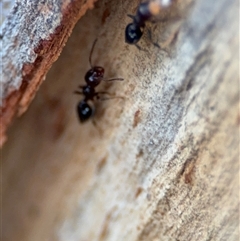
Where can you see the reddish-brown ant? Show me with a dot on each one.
(93, 78)
(146, 12)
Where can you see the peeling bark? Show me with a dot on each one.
(34, 34)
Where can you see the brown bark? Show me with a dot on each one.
(34, 34)
(161, 164)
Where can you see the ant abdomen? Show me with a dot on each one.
(84, 111)
(133, 33)
(94, 76)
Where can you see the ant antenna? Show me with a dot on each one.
(90, 56)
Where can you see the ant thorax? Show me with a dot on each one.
(89, 92)
(143, 14)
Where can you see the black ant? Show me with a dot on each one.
(93, 78)
(146, 12)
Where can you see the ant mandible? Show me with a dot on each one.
(93, 78)
(146, 12)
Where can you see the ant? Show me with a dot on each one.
(145, 12)
(93, 78)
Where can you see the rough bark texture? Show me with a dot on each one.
(161, 164)
(33, 36)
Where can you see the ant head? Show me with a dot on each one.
(94, 76)
(84, 111)
(133, 33)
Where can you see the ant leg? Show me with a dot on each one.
(155, 43)
(78, 92)
(80, 87)
(94, 122)
(98, 97)
(96, 125)
(138, 47)
(102, 92)
(110, 98)
(151, 39)
(131, 16)
(106, 98)
(112, 79)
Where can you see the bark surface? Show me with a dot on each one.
(161, 163)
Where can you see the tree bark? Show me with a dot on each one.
(161, 163)
(33, 36)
